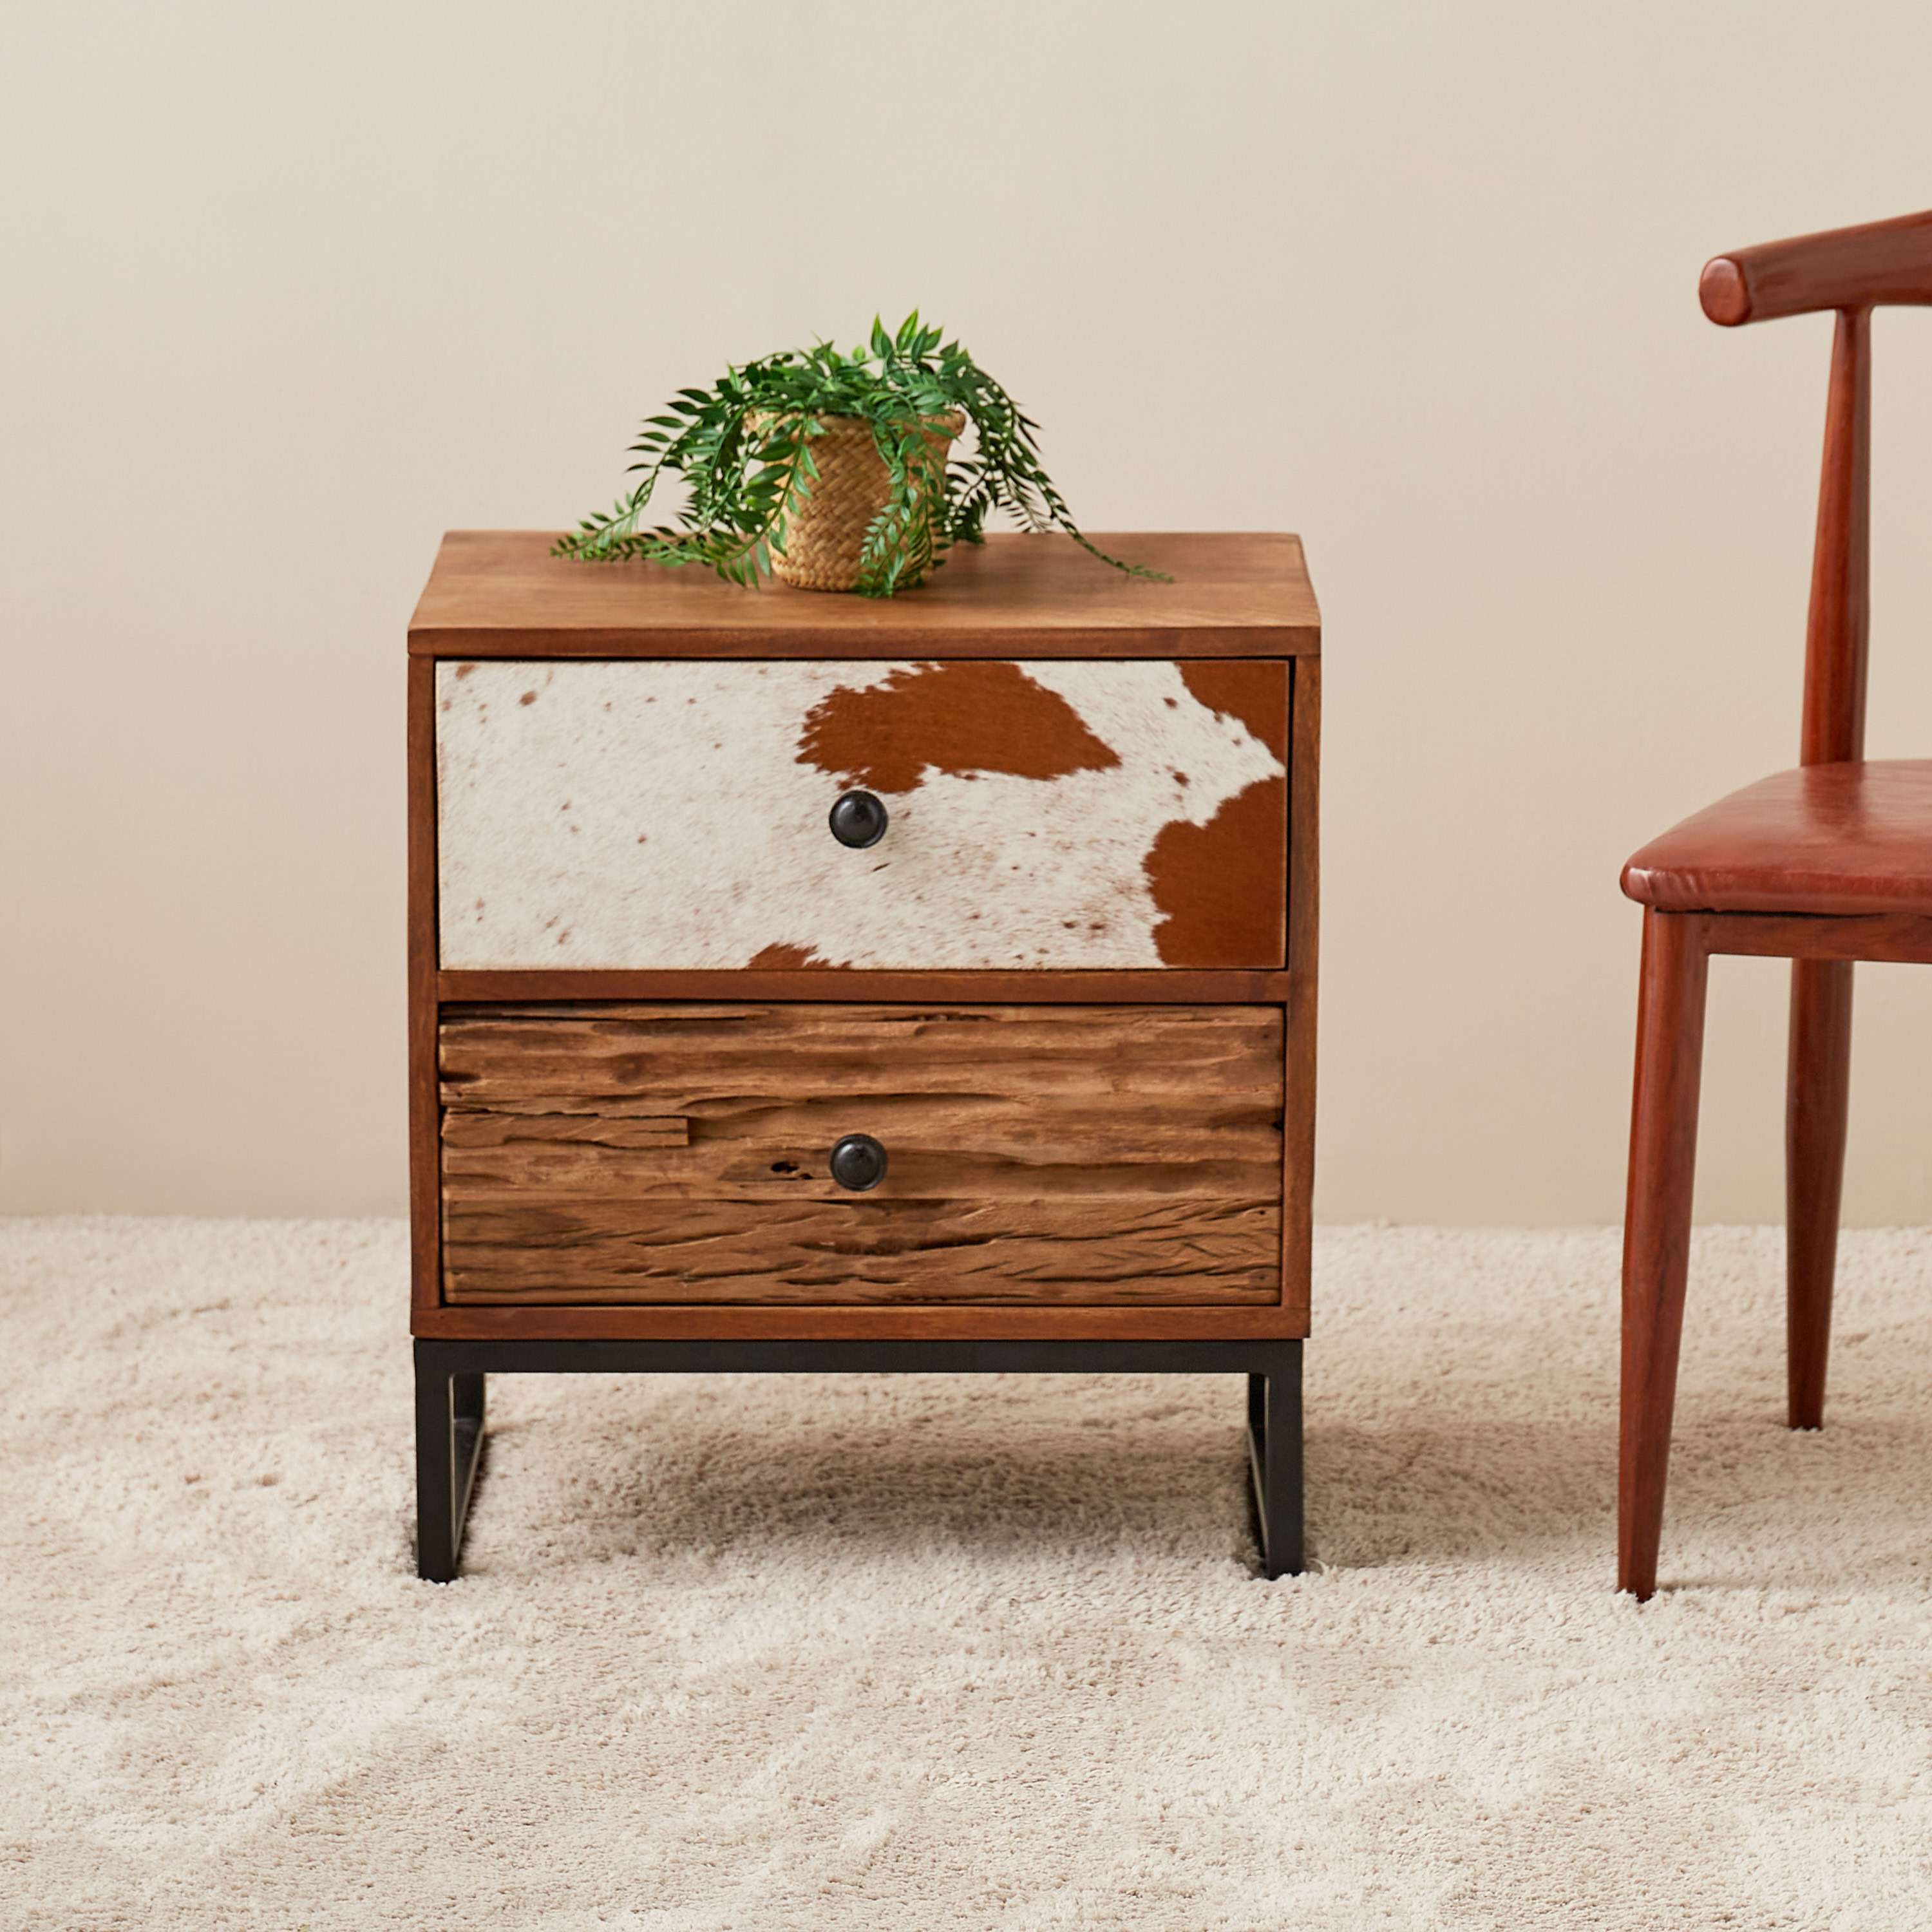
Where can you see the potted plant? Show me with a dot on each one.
(833, 471)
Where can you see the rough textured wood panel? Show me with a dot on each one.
(536, 1123)
(1070, 1249)
(602, 816)
(499, 593)
(1066, 1154)
(778, 1153)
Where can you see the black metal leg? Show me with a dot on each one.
(451, 1379)
(1274, 1460)
(449, 1443)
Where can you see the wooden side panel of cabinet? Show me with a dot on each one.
(1304, 896)
(425, 1111)
(672, 1152)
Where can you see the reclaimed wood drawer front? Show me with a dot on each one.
(1064, 815)
(678, 1153)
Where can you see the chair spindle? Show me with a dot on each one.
(1840, 615)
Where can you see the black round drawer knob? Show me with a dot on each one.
(859, 1163)
(858, 819)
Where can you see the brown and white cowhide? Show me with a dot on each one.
(1043, 815)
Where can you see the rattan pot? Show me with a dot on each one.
(827, 531)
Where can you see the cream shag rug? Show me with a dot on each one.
(774, 1652)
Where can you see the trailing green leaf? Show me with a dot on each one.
(744, 449)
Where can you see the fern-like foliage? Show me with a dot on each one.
(744, 448)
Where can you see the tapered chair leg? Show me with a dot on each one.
(1816, 1106)
(1657, 1227)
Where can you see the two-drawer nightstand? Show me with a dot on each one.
(803, 982)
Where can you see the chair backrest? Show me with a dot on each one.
(1854, 271)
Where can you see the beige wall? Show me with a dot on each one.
(291, 289)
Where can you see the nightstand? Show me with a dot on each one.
(801, 982)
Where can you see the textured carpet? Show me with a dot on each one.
(925, 1651)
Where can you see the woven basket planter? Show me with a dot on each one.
(827, 531)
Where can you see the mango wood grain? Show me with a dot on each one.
(694, 1056)
(1082, 1248)
(1168, 986)
(499, 593)
(939, 1150)
(425, 1206)
(561, 1117)
(953, 1323)
(1085, 1154)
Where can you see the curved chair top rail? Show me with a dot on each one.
(1879, 263)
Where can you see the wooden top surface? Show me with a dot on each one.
(499, 593)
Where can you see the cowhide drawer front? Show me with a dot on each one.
(680, 1153)
(1065, 815)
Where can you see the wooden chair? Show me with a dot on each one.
(1823, 866)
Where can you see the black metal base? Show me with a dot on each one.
(450, 1383)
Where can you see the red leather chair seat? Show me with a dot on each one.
(1824, 838)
